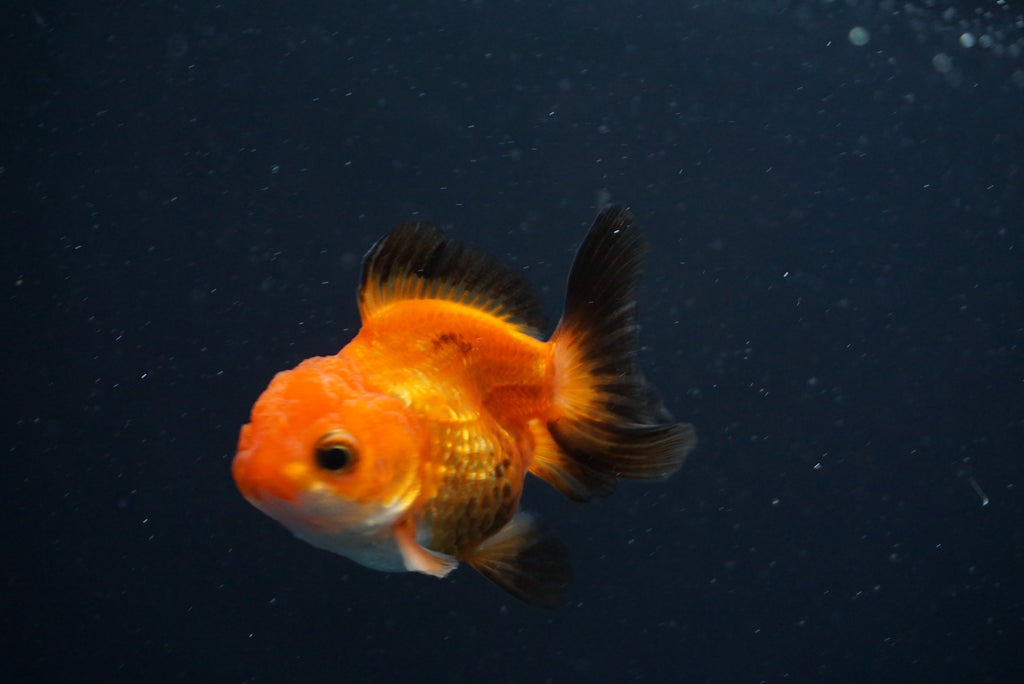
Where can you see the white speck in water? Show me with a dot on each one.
(978, 490)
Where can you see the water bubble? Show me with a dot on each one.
(859, 36)
(943, 63)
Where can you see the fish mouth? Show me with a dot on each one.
(289, 497)
(258, 484)
(259, 478)
(315, 509)
(242, 481)
(242, 472)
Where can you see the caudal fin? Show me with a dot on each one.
(606, 423)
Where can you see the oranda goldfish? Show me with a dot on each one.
(408, 449)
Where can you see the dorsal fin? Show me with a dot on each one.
(416, 261)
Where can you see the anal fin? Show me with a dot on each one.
(527, 560)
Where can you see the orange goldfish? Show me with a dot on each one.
(408, 449)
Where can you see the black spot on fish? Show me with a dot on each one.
(452, 339)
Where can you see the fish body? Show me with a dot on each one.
(408, 449)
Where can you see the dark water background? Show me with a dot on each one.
(834, 297)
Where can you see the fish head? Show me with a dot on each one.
(331, 459)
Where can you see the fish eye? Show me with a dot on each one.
(335, 451)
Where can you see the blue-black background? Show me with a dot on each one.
(833, 298)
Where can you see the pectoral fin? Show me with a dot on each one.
(418, 559)
(527, 560)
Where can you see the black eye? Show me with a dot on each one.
(335, 451)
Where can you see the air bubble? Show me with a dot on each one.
(943, 63)
(859, 36)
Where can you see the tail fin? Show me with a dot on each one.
(605, 423)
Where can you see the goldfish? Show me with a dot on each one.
(408, 450)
